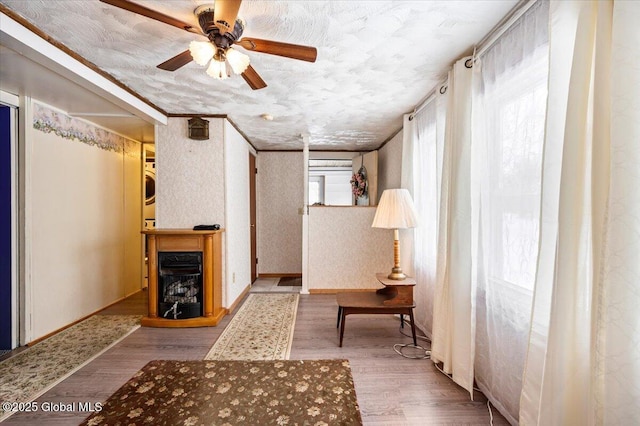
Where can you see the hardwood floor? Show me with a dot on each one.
(391, 390)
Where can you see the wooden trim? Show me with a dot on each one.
(246, 138)
(209, 268)
(340, 290)
(287, 275)
(46, 336)
(239, 299)
(315, 150)
(152, 277)
(37, 31)
(181, 114)
(279, 150)
(179, 323)
(179, 231)
(341, 207)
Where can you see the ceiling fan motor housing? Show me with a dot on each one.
(207, 23)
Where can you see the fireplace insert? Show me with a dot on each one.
(180, 285)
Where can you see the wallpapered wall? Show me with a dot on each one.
(344, 251)
(86, 201)
(238, 250)
(280, 194)
(189, 175)
(390, 164)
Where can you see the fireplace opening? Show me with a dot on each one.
(180, 285)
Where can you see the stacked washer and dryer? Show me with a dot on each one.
(150, 193)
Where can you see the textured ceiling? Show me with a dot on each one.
(376, 61)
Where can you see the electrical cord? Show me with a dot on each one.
(400, 347)
(474, 388)
(490, 413)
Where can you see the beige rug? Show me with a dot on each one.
(262, 329)
(235, 393)
(32, 372)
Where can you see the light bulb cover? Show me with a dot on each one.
(201, 51)
(218, 70)
(238, 60)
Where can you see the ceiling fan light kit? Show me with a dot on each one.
(238, 61)
(218, 70)
(215, 22)
(201, 52)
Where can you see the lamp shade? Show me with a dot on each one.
(239, 61)
(395, 210)
(201, 52)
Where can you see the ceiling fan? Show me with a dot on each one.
(219, 22)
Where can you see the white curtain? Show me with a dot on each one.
(453, 331)
(583, 361)
(424, 148)
(509, 108)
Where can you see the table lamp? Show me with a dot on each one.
(395, 211)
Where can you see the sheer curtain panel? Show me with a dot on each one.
(426, 131)
(454, 308)
(509, 108)
(583, 361)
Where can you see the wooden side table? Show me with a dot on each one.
(395, 298)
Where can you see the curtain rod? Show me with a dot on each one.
(487, 41)
(430, 97)
(503, 26)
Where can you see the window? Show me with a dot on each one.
(316, 190)
(516, 113)
(514, 110)
(329, 182)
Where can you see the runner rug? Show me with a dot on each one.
(235, 393)
(30, 373)
(262, 329)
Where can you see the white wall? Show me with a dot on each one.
(85, 247)
(133, 210)
(390, 164)
(237, 221)
(189, 175)
(344, 251)
(280, 195)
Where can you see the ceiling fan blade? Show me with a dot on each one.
(294, 51)
(141, 10)
(225, 14)
(253, 79)
(177, 61)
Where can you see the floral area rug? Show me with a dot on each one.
(235, 393)
(262, 329)
(30, 373)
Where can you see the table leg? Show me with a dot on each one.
(342, 320)
(413, 328)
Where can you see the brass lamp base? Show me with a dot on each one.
(396, 271)
(396, 274)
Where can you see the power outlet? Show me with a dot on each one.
(233, 277)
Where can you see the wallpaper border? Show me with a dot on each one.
(48, 120)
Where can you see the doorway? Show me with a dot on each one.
(8, 252)
(252, 217)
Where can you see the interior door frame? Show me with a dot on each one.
(12, 102)
(253, 171)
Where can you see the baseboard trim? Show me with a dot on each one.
(292, 275)
(340, 290)
(239, 299)
(46, 336)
